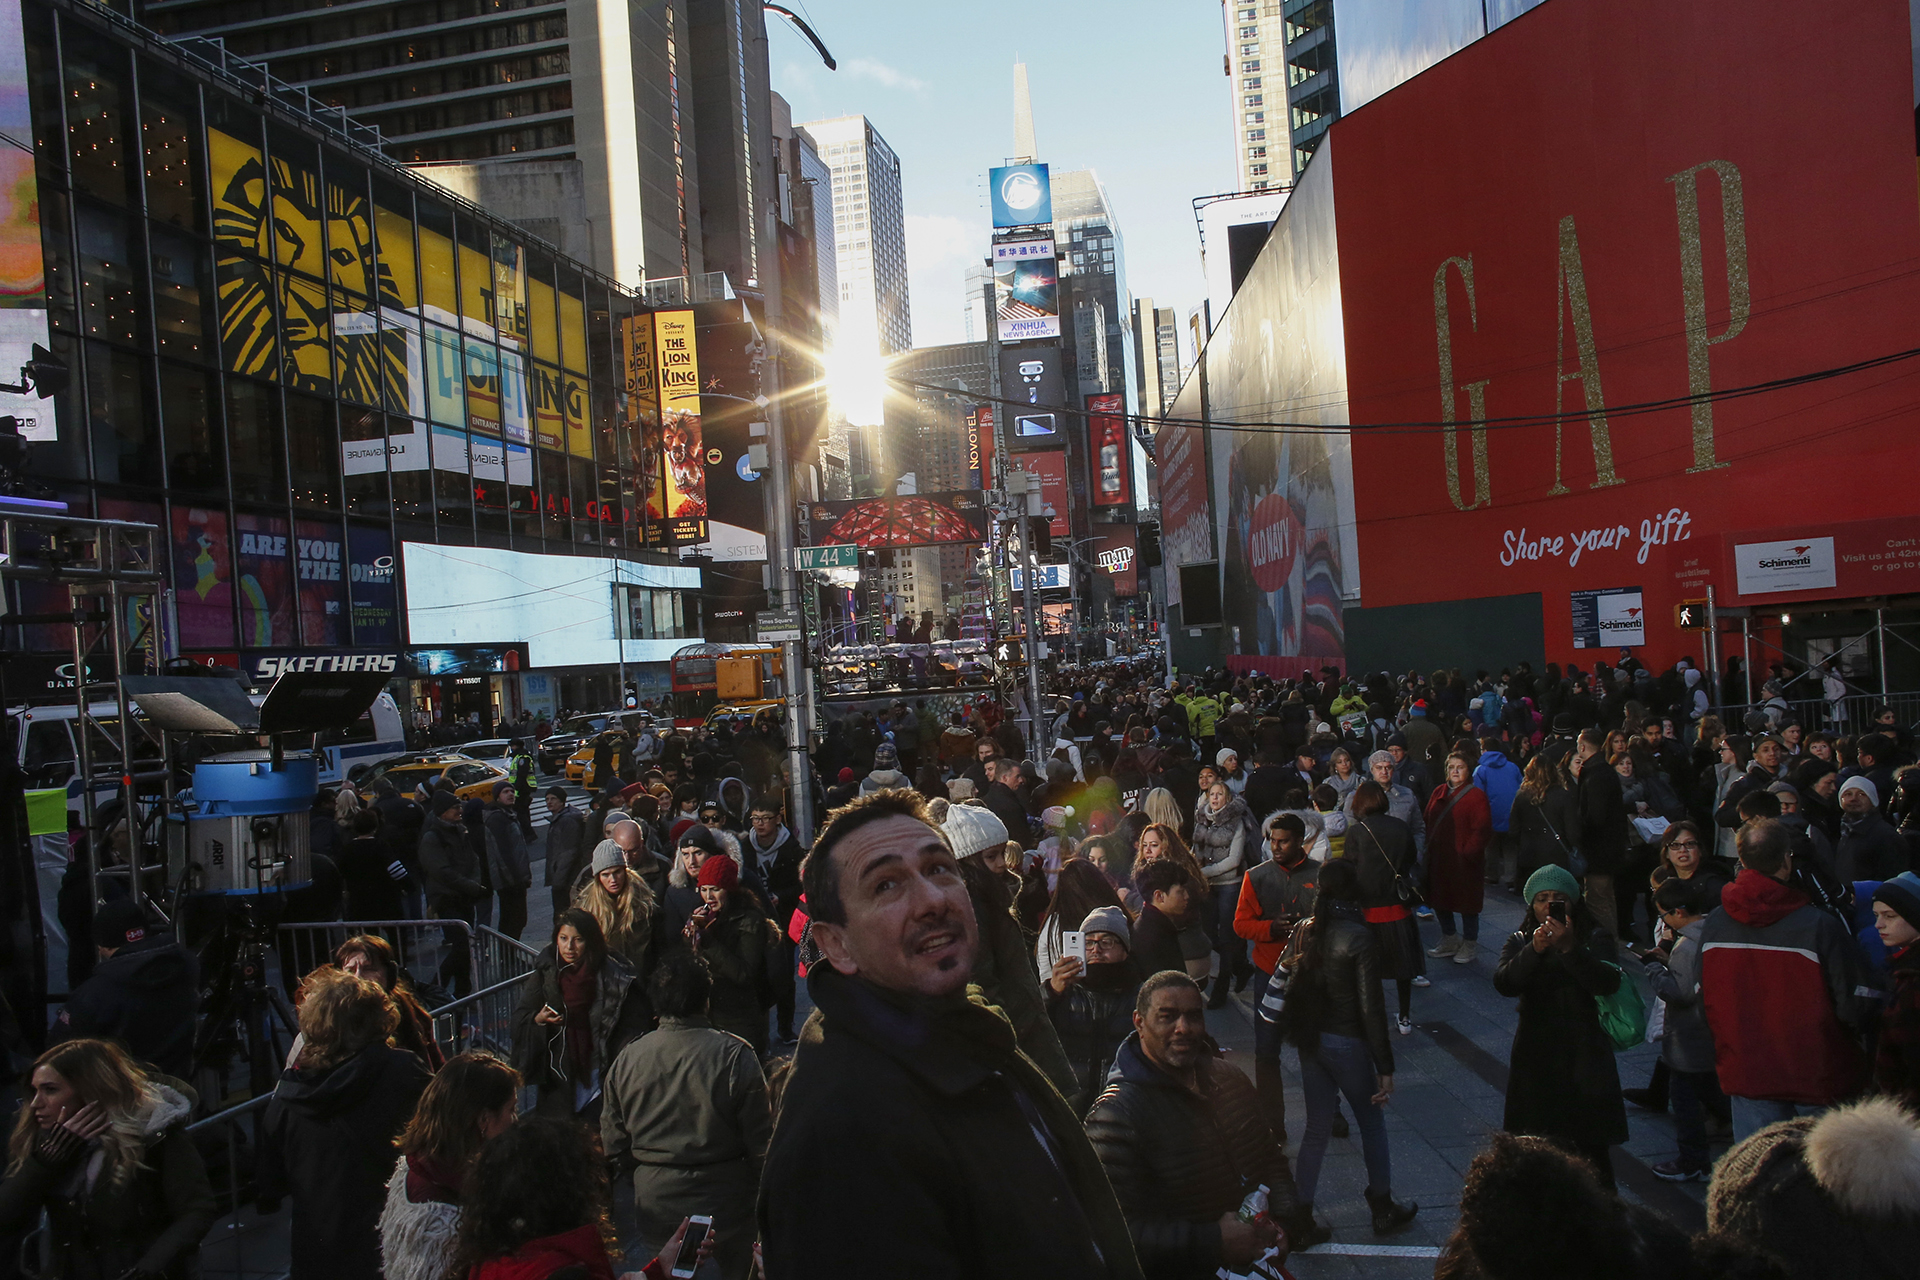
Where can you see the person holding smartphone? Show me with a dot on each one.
(1562, 1081)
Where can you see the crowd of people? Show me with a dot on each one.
(1007, 1067)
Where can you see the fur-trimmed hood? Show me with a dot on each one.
(1867, 1157)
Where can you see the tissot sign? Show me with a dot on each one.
(1611, 235)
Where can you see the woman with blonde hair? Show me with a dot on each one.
(1160, 807)
(102, 1148)
(629, 915)
(474, 1097)
(329, 1131)
(1161, 842)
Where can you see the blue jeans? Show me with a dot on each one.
(1469, 924)
(1690, 1091)
(1750, 1115)
(1342, 1065)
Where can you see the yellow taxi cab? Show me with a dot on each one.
(732, 716)
(470, 779)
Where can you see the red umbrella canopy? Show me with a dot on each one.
(902, 522)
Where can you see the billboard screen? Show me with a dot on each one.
(23, 276)
(1030, 378)
(736, 506)
(1026, 287)
(1050, 466)
(1610, 224)
(912, 520)
(1022, 195)
(1116, 553)
(1109, 452)
(1186, 534)
(682, 447)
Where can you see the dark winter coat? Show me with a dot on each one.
(375, 881)
(620, 1013)
(144, 995)
(1562, 1081)
(907, 1133)
(449, 867)
(1896, 1066)
(1006, 806)
(1603, 817)
(153, 1222)
(735, 948)
(1003, 971)
(1457, 835)
(1339, 993)
(329, 1137)
(565, 848)
(1547, 830)
(1092, 1017)
(1180, 1159)
(779, 869)
(1870, 848)
(507, 855)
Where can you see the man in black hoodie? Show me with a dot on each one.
(452, 875)
(144, 992)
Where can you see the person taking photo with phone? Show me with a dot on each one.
(1562, 1082)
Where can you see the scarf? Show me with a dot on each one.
(578, 986)
(430, 1178)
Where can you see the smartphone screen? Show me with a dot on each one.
(1557, 911)
(1073, 944)
(689, 1256)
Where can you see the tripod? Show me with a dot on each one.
(245, 1014)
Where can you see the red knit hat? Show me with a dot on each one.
(720, 870)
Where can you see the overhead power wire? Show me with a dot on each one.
(1520, 421)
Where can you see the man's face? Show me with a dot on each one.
(1398, 753)
(555, 804)
(1789, 803)
(1854, 803)
(691, 856)
(764, 823)
(993, 769)
(1383, 772)
(1011, 776)
(909, 922)
(505, 796)
(983, 752)
(1285, 845)
(1768, 754)
(1655, 733)
(627, 836)
(1173, 1031)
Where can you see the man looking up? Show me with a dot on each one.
(913, 1134)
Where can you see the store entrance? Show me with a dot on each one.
(473, 695)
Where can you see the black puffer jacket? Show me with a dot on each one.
(152, 1222)
(1092, 1017)
(1181, 1160)
(144, 995)
(1338, 993)
(449, 867)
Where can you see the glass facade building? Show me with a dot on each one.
(292, 355)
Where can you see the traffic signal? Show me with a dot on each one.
(1040, 535)
(1690, 615)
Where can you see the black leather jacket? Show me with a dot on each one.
(1347, 977)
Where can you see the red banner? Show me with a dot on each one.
(1109, 457)
(1186, 529)
(1051, 466)
(1605, 223)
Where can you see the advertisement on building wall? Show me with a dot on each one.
(1615, 237)
(1186, 531)
(682, 448)
(1050, 466)
(1030, 377)
(1116, 553)
(1852, 560)
(1608, 618)
(371, 586)
(736, 499)
(23, 277)
(1109, 452)
(1026, 285)
(1022, 195)
(263, 574)
(320, 568)
(643, 427)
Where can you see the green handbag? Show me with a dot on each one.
(1623, 1015)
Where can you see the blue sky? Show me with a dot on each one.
(1130, 89)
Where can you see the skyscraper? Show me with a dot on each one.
(1278, 125)
(1156, 339)
(1091, 245)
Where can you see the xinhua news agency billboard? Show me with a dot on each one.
(1022, 195)
(1026, 286)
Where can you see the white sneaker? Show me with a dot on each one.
(1421, 980)
(1405, 1025)
(1466, 953)
(1448, 945)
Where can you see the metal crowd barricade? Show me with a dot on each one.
(1855, 717)
(243, 1243)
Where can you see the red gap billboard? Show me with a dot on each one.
(1558, 226)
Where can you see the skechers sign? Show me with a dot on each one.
(273, 666)
(1022, 195)
(1799, 564)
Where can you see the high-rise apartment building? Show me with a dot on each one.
(1281, 66)
(1091, 246)
(870, 229)
(1156, 341)
(978, 277)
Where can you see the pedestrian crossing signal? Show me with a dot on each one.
(1690, 615)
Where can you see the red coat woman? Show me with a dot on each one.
(1459, 825)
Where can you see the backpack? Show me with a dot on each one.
(1623, 1015)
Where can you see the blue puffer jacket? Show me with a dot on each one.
(1499, 777)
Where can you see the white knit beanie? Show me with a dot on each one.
(972, 829)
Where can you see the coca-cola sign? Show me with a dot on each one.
(1273, 539)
